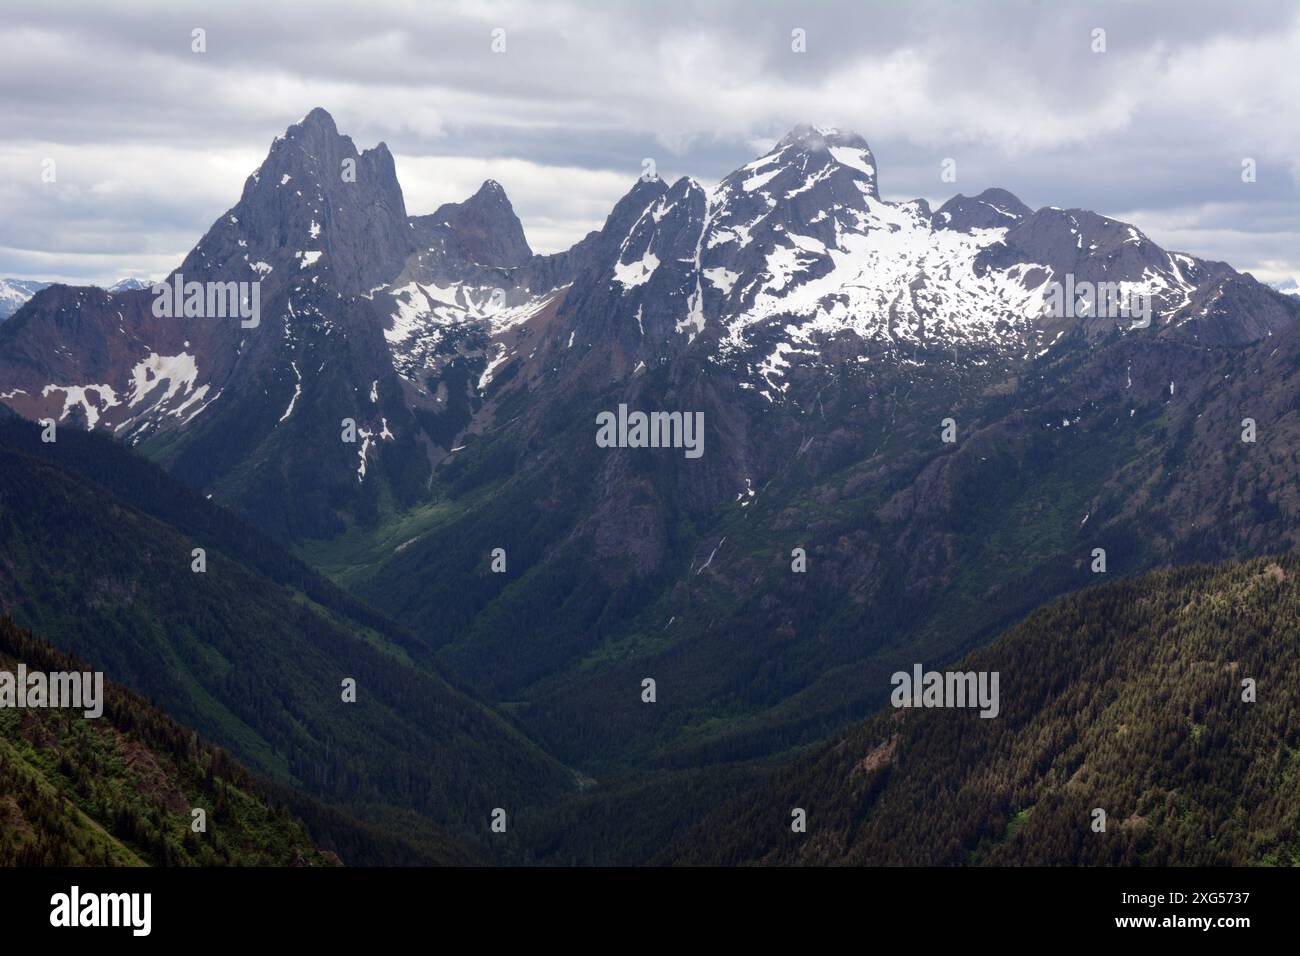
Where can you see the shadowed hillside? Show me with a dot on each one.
(1126, 697)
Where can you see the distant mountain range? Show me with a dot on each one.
(912, 439)
(15, 292)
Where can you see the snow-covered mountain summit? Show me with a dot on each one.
(419, 329)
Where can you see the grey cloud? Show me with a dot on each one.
(1154, 129)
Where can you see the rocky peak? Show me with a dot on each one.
(811, 155)
(316, 208)
(483, 228)
(991, 209)
(819, 138)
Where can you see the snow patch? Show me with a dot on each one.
(632, 274)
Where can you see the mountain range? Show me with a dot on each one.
(907, 449)
(15, 292)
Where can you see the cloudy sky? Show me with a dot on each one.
(151, 141)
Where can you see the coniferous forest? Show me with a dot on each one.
(1129, 697)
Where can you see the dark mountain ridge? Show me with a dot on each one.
(254, 655)
(1129, 697)
(420, 329)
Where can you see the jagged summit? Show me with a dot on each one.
(796, 248)
(481, 230)
(315, 207)
(808, 157)
(790, 266)
(317, 137)
(808, 137)
(316, 134)
(318, 118)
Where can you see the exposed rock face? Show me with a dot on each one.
(773, 282)
(482, 230)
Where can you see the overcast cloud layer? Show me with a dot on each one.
(152, 142)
